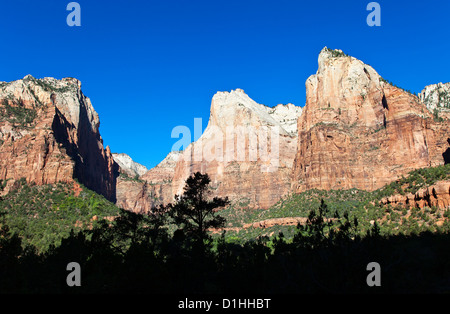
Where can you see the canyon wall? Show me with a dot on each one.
(49, 132)
(358, 131)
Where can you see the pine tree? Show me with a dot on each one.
(194, 212)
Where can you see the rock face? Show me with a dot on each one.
(49, 132)
(163, 173)
(152, 188)
(128, 165)
(247, 150)
(437, 99)
(436, 195)
(358, 131)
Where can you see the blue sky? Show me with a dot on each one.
(149, 66)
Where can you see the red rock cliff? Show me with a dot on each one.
(358, 131)
(49, 132)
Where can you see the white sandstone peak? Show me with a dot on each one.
(436, 96)
(171, 160)
(127, 164)
(236, 108)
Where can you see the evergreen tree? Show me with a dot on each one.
(193, 212)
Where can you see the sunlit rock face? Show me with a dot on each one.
(437, 99)
(358, 131)
(49, 133)
(247, 150)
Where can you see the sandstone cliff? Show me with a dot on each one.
(358, 131)
(151, 189)
(49, 132)
(128, 165)
(437, 99)
(435, 195)
(247, 150)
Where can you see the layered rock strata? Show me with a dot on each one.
(151, 189)
(358, 131)
(49, 132)
(247, 150)
(437, 195)
(128, 166)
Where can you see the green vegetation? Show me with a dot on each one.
(17, 114)
(336, 53)
(436, 116)
(361, 205)
(415, 180)
(443, 100)
(392, 84)
(135, 253)
(48, 87)
(193, 212)
(42, 215)
(124, 176)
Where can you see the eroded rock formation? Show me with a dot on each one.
(437, 99)
(128, 165)
(149, 190)
(49, 132)
(437, 195)
(247, 150)
(358, 131)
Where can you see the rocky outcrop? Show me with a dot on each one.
(164, 172)
(285, 221)
(437, 195)
(151, 189)
(436, 96)
(358, 131)
(437, 99)
(49, 132)
(128, 165)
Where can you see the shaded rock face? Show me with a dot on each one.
(357, 131)
(446, 154)
(49, 133)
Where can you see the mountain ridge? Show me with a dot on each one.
(355, 130)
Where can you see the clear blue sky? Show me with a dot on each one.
(149, 66)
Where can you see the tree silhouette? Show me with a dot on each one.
(194, 212)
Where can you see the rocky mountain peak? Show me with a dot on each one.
(358, 130)
(436, 96)
(128, 165)
(236, 108)
(171, 160)
(52, 134)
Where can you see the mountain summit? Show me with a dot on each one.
(359, 131)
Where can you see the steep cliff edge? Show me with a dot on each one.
(128, 165)
(140, 194)
(247, 150)
(437, 99)
(358, 131)
(49, 132)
